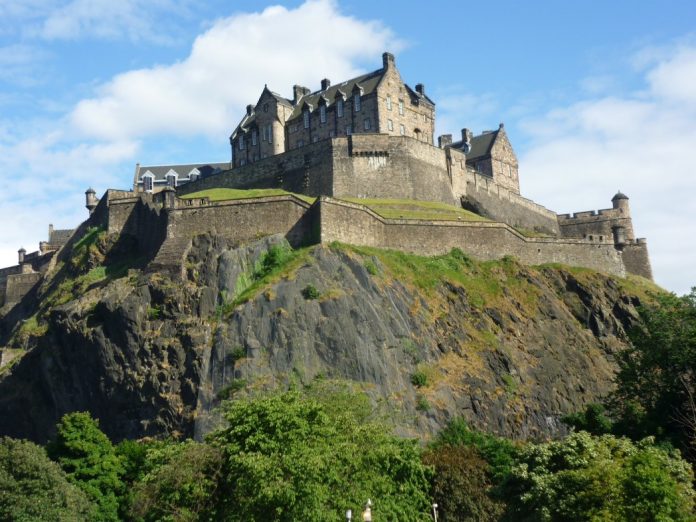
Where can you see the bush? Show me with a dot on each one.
(310, 292)
(419, 379)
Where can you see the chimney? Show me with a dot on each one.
(298, 92)
(21, 253)
(501, 126)
(387, 60)
(250, 109)
(466, 135)
(325, 84)
(420, 89)
(444, 141)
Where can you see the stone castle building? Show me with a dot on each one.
(368, 137)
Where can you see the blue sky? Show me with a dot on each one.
(596, 96)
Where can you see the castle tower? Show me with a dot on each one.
(21, 253)
(91, 200)
(622, 216)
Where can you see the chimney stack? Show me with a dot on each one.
(298, 91)
(420, 89)
(250, 109)
(387, 60)
(21, 253)
(325, 84)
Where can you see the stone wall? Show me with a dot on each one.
(636, 258)
(495, 202)
(19, 285)
(594, 223)
(355, 224)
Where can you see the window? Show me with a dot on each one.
(242, 162)
(241, 142)
(389, 103)
(349, 130)
(171, 180)
(332, 134)
(193, 177)
(402, 130)
(300, 143)
(367, 124)
(148, 182)
(339, 108)
(270, 133)
(322, 114)
(390, 125)
(356, 102)
(305, 116)
(253, 137)
(315, 139)
(401, 107)
(265, 107)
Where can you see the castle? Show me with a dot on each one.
(367, 138)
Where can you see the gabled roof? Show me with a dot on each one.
(367, 83)
(182, 171)
(481, 145)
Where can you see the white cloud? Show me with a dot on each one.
(227, 68)
(640, 143)
(19, 64)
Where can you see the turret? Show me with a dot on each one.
(619, 232)
(91, 200)
(20, 254)
(620, 202)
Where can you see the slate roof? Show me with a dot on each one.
(59, 237)
(182, 171)
(480, 145)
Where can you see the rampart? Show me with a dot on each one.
(356, 224)
(595, 223)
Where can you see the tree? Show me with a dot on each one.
(181, 484)
(599, 478)
(657, 374)
(32, 487)
(286, 458)
(90, 462)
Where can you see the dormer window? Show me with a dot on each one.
(339, 108)
(194, 174)
(356, 102)
(241, 142)
(148, 182)
(171, 179)
(305, 116)
(322, 113)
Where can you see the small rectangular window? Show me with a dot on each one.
(322, 113)
(349, 130)
(242, 162)
(356, 102)
(401, 107)
(367, 124)
(339, 108)
(389, 106)
(270, 133)
(390, 125)
(305, 117)
(402, 129)
(147, 183)
(241, 142)
(332, 134)
(315, 139)
(253, 137)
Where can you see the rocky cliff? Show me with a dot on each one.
(509, 347)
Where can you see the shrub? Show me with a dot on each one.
(310, 292)
(419, 379)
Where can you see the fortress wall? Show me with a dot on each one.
(485, 197)
(636, 258)
(306, 170)
(4, 274)
(358, 225)
(244, 220)
(19, 285)
(390, 167)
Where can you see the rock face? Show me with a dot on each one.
(511, 348)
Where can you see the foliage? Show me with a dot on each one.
(310, 292)
(462, 484)
(598, 478)
(593, 420)
(272, 260)
(32, 487)
(419, 378)
(90, 461)
(500, 453)
(657, 374)
(289, 458)
(181, 484)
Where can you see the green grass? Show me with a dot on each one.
(228, 194)
(412, 209)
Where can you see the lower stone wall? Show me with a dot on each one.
(485, 197)
(636, 258)
(19, 285)
(595, 223)
(355, 224)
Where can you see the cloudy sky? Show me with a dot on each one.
(596, 97)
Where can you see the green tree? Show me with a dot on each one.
(286, 459)
(657, 374)
(181, 484)
(32, 487)
(587, 478)
(90, 461)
